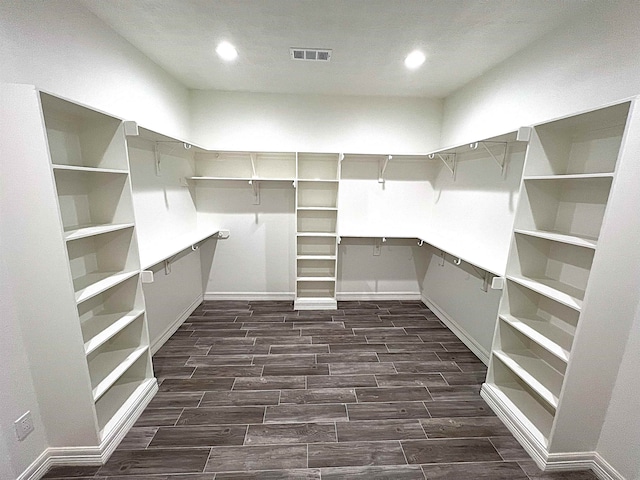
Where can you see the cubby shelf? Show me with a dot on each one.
(576, 240)
(77, 168)
(553, 289)
(316, 279)
(316, 257)
(318, 209)
(316, 234)
(108, 367)
(101, 328)
(543, 379)
(93, 284)
(568, 176)
(553, 339)
(75, 233)
(121, 398)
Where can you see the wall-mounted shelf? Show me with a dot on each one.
(172, 246)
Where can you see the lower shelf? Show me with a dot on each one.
(315, 303)
(517, 401)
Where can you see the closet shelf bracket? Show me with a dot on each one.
(382, 168)
(255, 184)
(501, 162)
(449, 160)
(253, 165)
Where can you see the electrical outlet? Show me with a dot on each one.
(24, 426)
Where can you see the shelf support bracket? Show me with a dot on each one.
(486, 282)
(156, 153)
(255, 184)
(441, 261)
(449, 160)
(253, 165)
(167, 267)
(502, 162)
(383, 168)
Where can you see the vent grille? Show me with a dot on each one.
(311, 54)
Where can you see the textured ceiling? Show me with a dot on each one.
(370, 38)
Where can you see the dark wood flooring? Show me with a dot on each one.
(374, 390)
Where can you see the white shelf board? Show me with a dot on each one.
(318, 180)
(103, 327)
(83, 231)
(130, 393)
(316, 257)
(96, 283)
(319, 209)
(77, 168)
(560, 237)
(553, 339)
(162, 250)
(521, 408)
(552, 289)
(243, 179)
(110, 366)
(316, 234)
(536, 373)
(316, 279)
(315, 303)
(573, 176)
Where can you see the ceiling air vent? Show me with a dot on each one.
(311, 54)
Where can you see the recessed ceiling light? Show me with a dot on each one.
(414, 59)
(226, 51)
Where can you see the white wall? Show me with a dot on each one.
(17, 394)
(314, 123)
(257, 260)
(622, 424)
(62, 48)
(580, 66)
(396, 273)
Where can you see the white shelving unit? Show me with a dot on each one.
(544, 314)
(91, 175)
(245, 166)
(316, 230)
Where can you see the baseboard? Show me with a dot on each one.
(366, 296)
(604, 470)
(250, 296)
(86, 456)
(474, 346)
(550, 462)
(171, 329)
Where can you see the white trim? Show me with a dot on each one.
(171, 329)
(353, 296)
(249, 296)
(98, 455)
(603, 469)
(459, 332)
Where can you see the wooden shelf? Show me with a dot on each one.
(316, 234)
(98, 329)
(318, 209)
(316, 279)
(317, 180)
(75, 233)
(316, 257)
(108, 367)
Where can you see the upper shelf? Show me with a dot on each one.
(161, 251)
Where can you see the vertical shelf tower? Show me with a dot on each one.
(316, 230)
(89, 331)
(549, 316)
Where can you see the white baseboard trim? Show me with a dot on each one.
(550, 462)
(171, 329)
(250, 296)
(98, 455)
(604, 470)
(474, 346)
(364, 296)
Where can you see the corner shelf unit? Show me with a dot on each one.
(569, 174)
(317, 179)
(90, 171)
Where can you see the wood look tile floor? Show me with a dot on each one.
(373, 390)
